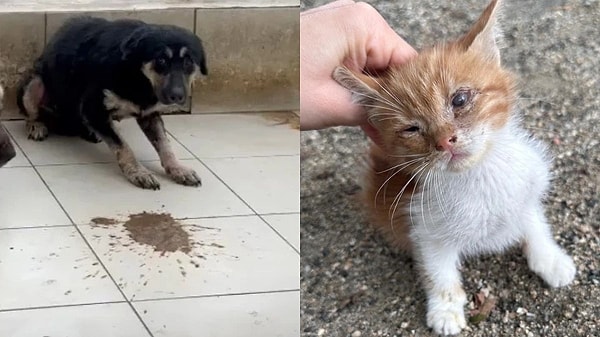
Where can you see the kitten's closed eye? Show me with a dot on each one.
(408, 131)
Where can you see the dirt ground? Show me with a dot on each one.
(353, 285)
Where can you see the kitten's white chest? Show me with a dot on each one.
(481, 210)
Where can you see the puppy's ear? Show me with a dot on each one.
(199, 56)
(131, 44)
(203, 69)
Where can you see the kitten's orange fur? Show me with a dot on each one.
(421, 89)
(451, 139)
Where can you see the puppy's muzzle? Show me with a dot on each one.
(174, 90)
(7, 150)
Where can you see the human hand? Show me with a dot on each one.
(342, 33)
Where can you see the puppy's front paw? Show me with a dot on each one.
(143, 178)
(555, 267)
(445, 313)
(184, 176)
(36, 131)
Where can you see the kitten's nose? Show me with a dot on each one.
(446, 143)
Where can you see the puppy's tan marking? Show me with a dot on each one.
(122, 108)
(125, 109)
(33, 94)
(182, 51)
(169, 52)
(154, 78)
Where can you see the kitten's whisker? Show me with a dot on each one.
(426, 189)
(403, 164)
(440, 198)
(388, 118)
(396, 99)
(377, 98)
(380, 107)
(413, 195)
(400, 167)
(407, 155)
(398, 197)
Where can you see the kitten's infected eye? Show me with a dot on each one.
(461, 98)
(410, 131)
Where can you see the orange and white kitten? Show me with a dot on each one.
(456, 175)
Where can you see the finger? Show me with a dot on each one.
(340, 109)
(383, 45)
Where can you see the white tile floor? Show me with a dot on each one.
(61, 276)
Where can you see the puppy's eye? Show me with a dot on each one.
(161, 61)
(461, 98)
(412, 129)
(188, 65)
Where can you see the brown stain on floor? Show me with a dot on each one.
(279, 118)
(103, 221)
(160, 231)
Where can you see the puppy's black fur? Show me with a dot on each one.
(95, 71)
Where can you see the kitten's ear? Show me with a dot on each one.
(361, 86)
(485, 33)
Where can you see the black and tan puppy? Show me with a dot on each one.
(7, 150)
(94, 72)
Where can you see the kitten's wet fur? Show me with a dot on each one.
(455, 174)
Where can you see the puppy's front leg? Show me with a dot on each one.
(99, 122)
(154, 128)
(133, 170)
(445, 295)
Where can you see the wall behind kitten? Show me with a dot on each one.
(350, 279)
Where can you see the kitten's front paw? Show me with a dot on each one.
(447, 321)
(445, 313)
(184, 176)
(556, 268)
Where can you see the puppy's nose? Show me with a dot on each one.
(176, 96)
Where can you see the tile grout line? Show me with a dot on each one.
(178, 219)
(86, 242)
(141, 161)
(162, 299)
(34, 227)
(58, 306)
(235, 193)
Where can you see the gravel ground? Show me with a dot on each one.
(353, 285)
